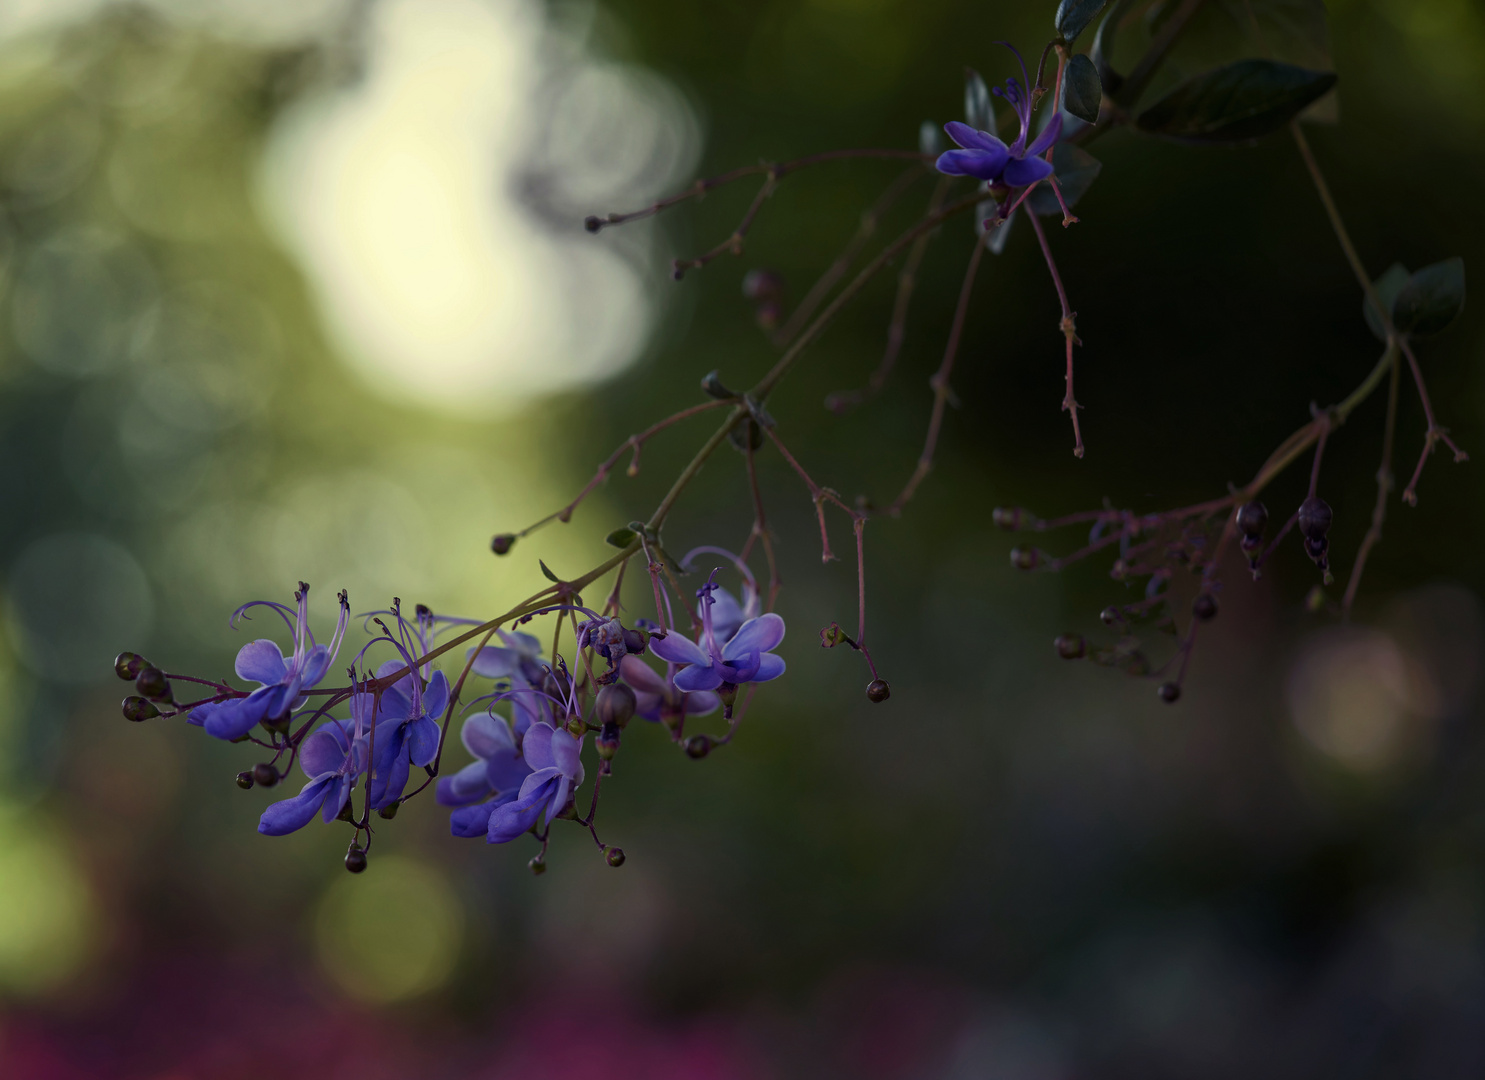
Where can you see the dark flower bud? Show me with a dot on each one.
(1250, 544)
(728, 693)
(537, 866)
(265, 774)
(746, 436)
(346, 813)
(355, 859)
(1111, 616)
(608, 741)
(128, 665)
(615, 706)
(877, 691)
(1070, 646)
(502, 543)
(1009, 518)
(831, 636)
(592, 223)
(614, 856)
(1252, 518)
(762, 285)
(1204, 607)
(389, 811)
(245, 780)
(153, 684)
(636, 642)
(1314, 518)
(711, 383)
(137, 709)
(1025, 558)
(698, 746)
(1169, 692)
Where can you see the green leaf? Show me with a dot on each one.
(1082, 90)
(1236, 103)
(978, 112)
(1075, 169)
(547, 570)
(619, 538)
(1431, 299)
(1103, 47)
(1387, 287)
(1073, 16)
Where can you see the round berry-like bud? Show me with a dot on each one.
(245, 780)
(1252, 518)
(502, 543)
(1070, 646)
(1023, 558)
(592, 223)
(1110, 616)
(537, 866)
(1169, 692)
(615, 706)
(636, 641)
(746, 436)
(877, 691)
(128, 665)
(1250, 544)
(265, 774)
(608, 741)
(138, 708)
(698, 746)
(1008, 518)
(355, 859)
(1315, 517)
(1316, 550)
(1204, 607)
(152, 683)
(390, 810)
(614, 856)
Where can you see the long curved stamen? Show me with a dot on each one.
(704, 594)
(340, 625)
(301, 627)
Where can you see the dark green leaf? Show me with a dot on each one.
(1103, 48)
(1082, 90)
(1075, 169)
(1073, 16)
(1431, 299)
(1387, 286)
(978, 112)
(619, 538)
(547, 570)
(1236, 103)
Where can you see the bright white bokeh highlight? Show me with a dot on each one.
(435, 204)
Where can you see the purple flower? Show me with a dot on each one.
(520, 662)
(728, 614)
(745, 657)
(332, 757)
(986, 158)
(656, 696)
(283, 680)
(555, 758)
(499, 771)
(407, 729)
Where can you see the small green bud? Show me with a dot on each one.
(138, 708)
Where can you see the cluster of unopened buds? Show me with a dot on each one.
(526, 727)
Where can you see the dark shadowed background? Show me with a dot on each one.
(301, 291)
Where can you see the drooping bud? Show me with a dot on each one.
(1314, 518)
(355, 859)
(138, 708)
(152, 683)
(1071, 646)
(245, 780)
(1169, 692)
(502, 543)
(698, 746)
(128, 665)
(746, 436)
(636, 641)
(607, 741)
(1204, 607)
(537, 866)
(1252, 518)
(614, 856)
(1023, 558)
(877, 691)
(264, 774)
(390, 810)
(831, 636)
(615, 706)
(711, 384)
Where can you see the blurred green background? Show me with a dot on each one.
(300, 291)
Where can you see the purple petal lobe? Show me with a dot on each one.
(290, 815)
(538, 746)
(335, 796)
(436, 697)
(515, 818)
(234, 719)
(769, 667)
(493, 662)
(1023, 171)
(1049, 135)
(324, 751)
(756, 635)
(972, 138)
(678, 649)
(314, 667)
(506, 772)
(465, 786)
(261, 661)
(471, 821)
(567, 754)
(484, 736)
(981, 164)
(698, 677)
(640, 676)
(422, 740)
(702, 702)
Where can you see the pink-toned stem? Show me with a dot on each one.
(1434, 435)
(1069, 329)
(733, 244)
